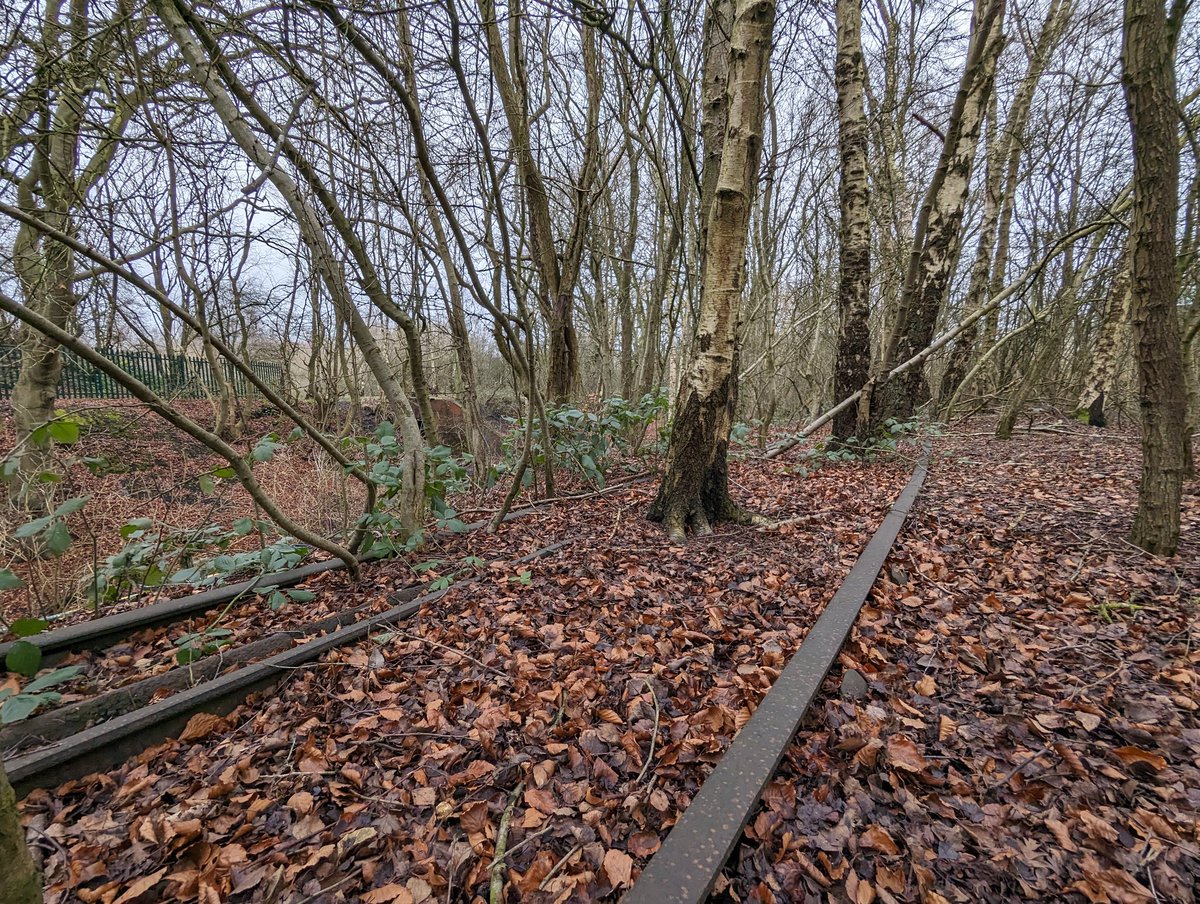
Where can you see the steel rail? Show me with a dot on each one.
(697, 847)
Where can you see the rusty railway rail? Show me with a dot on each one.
(99, 633)
(694, 853)
(115, 740)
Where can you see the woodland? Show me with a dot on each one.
(519, 381)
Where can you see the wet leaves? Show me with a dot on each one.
(607, 685)
(1030, 730)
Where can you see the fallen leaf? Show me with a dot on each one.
(199, 726)
(387, 894)
(903, 753)
(877, 838)
(1140, 761)
(141, 886)
(618, 866)
(301, 803)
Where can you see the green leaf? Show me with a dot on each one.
(132, 527)
(58, 538)
(18, 708)
(24, 658)
(36, 526)
(243, 526)
(226, 473)
(71, 506)
(296, 433)
(9, 581)
(27, 627)
(208, 486)
(277, 600)
(302, 596)
(455, 525)
(187, 655)
(64, 432)
(58, 676)
(264, 450)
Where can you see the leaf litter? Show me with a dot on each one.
(578, 700)
(1031, 729)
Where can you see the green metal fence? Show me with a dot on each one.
(174, 376)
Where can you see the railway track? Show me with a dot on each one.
(694, 853)
(94, 734)
(103, 632)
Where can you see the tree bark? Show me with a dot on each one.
(689, 496)
(1148, 76)
(53, 187)
(852, 365)
(1102, 372)
(1005, 146)
(558, 274)
(20, 880)
(937, 238)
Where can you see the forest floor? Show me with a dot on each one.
(1031, 728)
(130, 464)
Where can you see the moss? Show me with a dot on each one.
(20, 881)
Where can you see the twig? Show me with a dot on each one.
(930, 126)
(653, 734)
(562, 709)
(524, 841)
(1021, 765)
(496, 891)
(336, 885)
(616, 526)
(554, 869)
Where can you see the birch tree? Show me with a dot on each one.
(69, 155)
(853, 363)
(688, 498)
(937, 237)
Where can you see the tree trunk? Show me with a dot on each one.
(1059, 316)
(72, 62)
(187, 35)
(693, 492)
(20, 880)
(558, 273)
(1148, 64)
(1102, 372)
(937, 238)
(1004, 149)
(853, 362)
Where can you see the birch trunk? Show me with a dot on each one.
(853, 363)
(1004, 148)
(702, 419)
(1102, 372)
(937, 238)
(411, 496)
